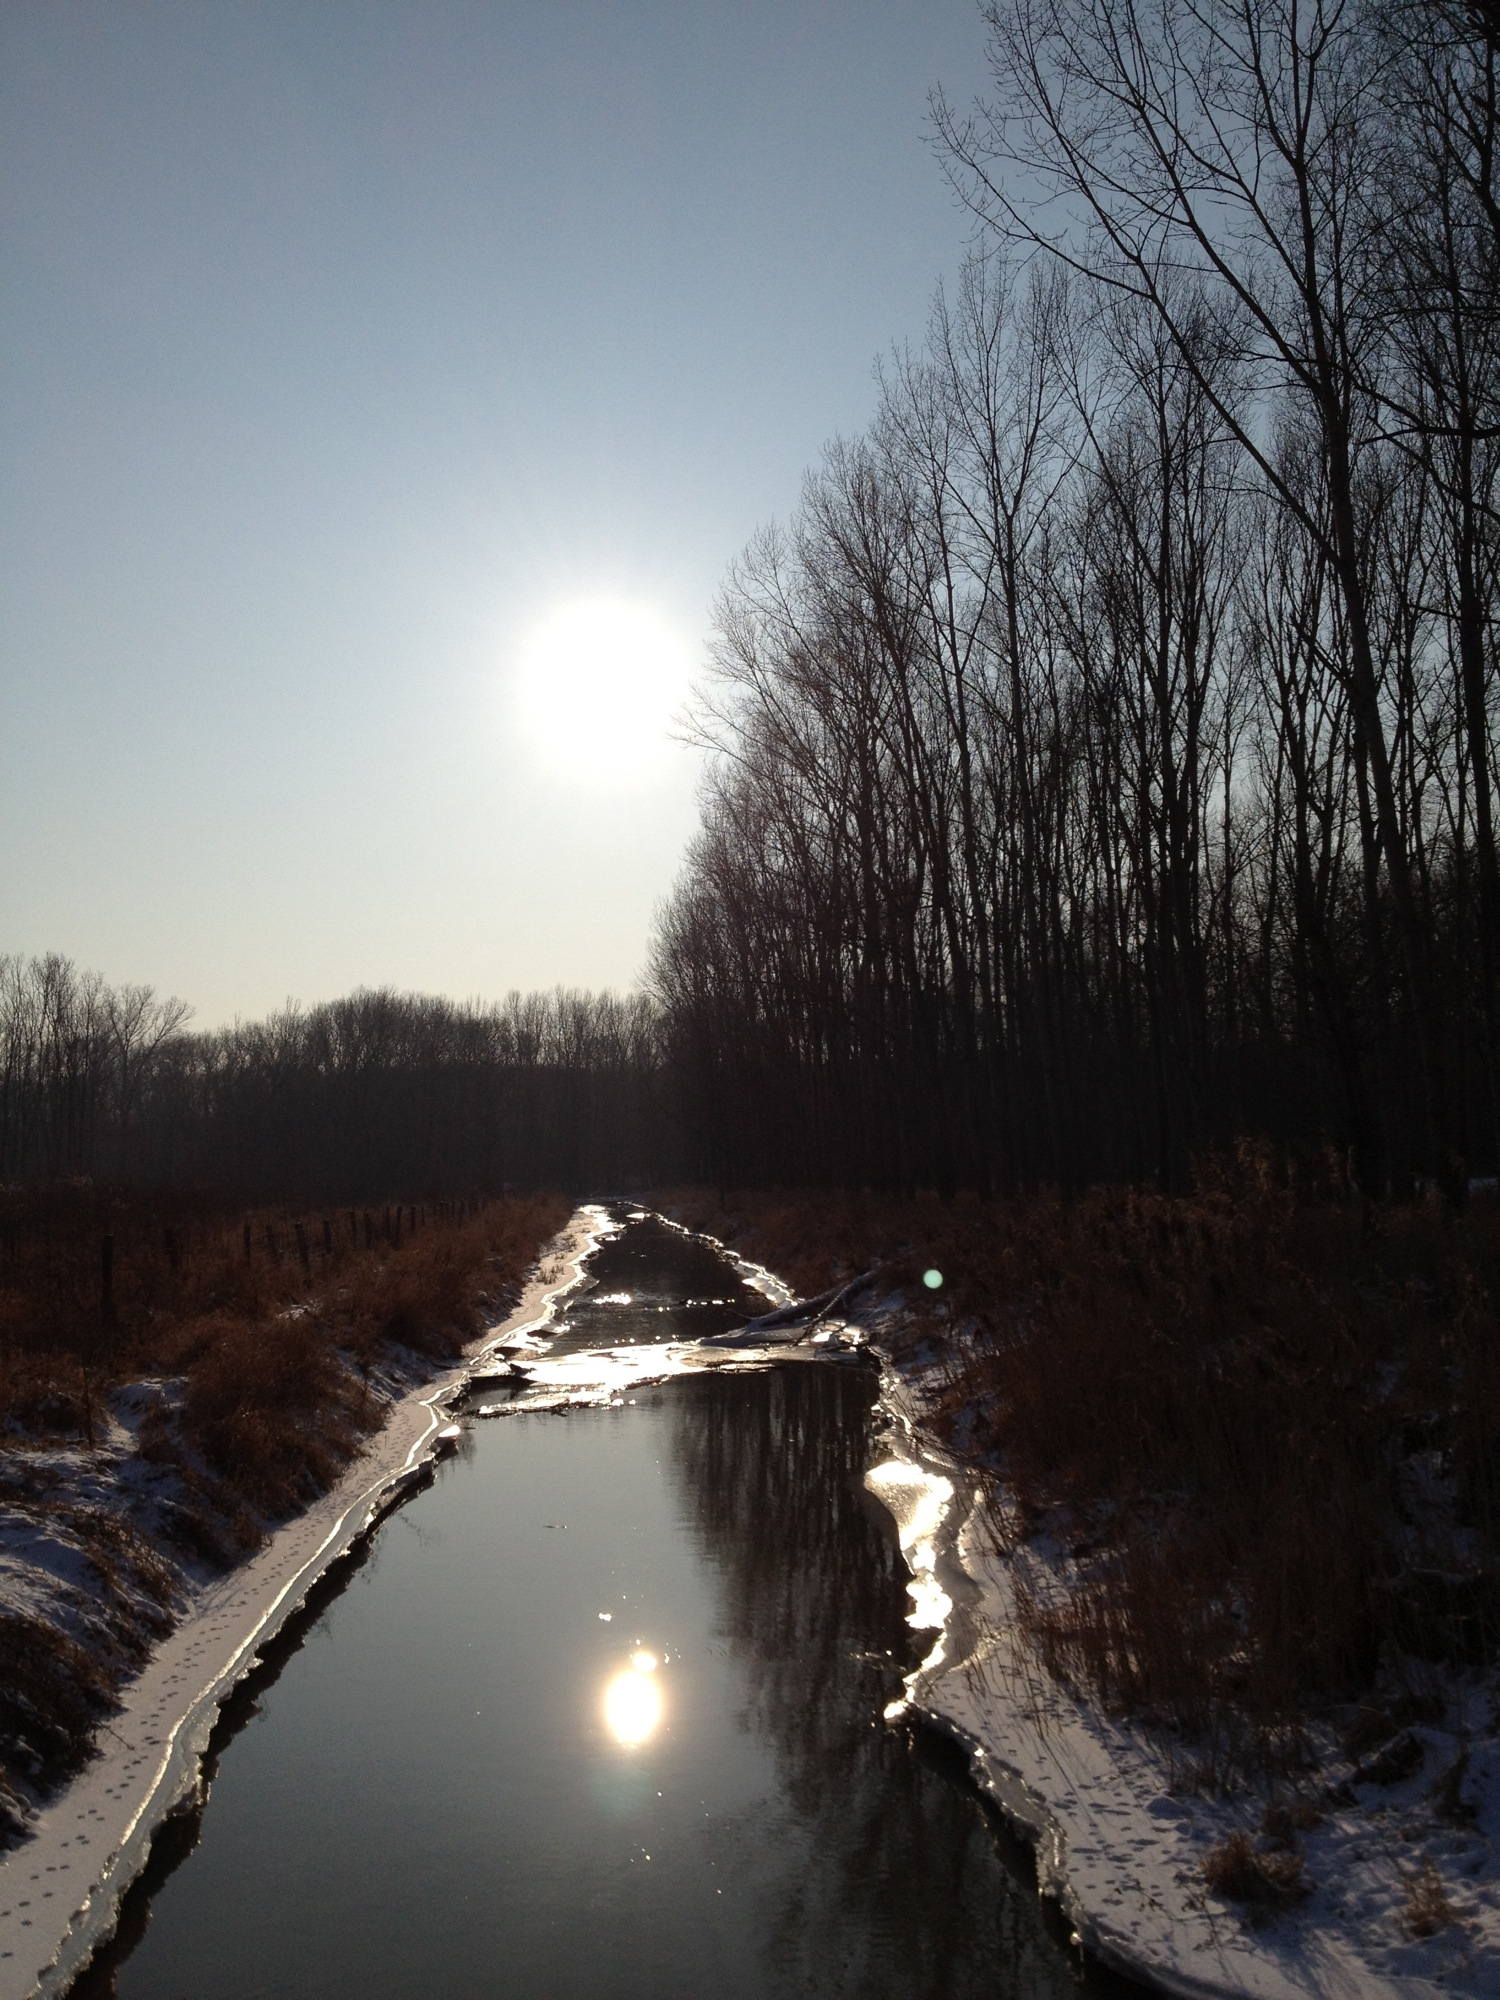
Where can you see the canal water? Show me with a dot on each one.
(599, 1713)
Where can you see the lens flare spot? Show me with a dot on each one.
(932, 1280)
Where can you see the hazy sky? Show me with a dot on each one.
(356, 351)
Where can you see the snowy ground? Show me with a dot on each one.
(60, 1889)
(1121, 1830)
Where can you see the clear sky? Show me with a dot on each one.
(385, 381)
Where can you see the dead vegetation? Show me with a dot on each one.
(1428, 1909)
(249, 1357)
(1245, 1873)
(269, 1322)
(52, 1694)
(1257, 1428)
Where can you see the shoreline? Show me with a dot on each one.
(1119, 1838)
(1117, 1847)
(61, 1887)
(1084, 1791)
(1120, 1843)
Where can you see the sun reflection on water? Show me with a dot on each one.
(633, 1703)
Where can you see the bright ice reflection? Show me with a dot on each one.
(632, 1701)
(919, 1500)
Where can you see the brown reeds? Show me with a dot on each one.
(1236, 1868)
(250, 1310)
(1262, 1425)
(52, 1694)
(1428, 1908)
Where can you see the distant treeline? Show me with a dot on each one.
(1106, 748)
(378, 1094)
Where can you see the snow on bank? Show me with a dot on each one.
(765, 1282)
(60, 1889)
(1121, 1835)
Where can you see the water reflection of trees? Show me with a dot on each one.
(893, 1881)
(657, 1265)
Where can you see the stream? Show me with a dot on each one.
(599, 1711)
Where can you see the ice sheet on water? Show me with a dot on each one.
(596, 1377)
(918, 1501)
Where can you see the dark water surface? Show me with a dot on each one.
(440, 1795)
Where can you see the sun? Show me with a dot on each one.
(597, 684)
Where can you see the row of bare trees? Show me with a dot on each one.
(360, 1098)
(1105, 752)
(77, 1060)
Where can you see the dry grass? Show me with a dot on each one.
(1427, 1909)
(52, 1694)
(1281, 1821)
(270, 1409)
(1240, 1414)
(1238, 1869)
(257, 1314)
(273, 1407)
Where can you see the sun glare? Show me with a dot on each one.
(597, 685)
(632, 1702)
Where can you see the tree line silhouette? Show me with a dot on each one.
(378, 1094)
(1103, 755)
(1104, 752)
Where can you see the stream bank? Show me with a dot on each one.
(1398, 1893)
(602, 1711)
(61, 1887)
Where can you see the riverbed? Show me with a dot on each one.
(602, 1711)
